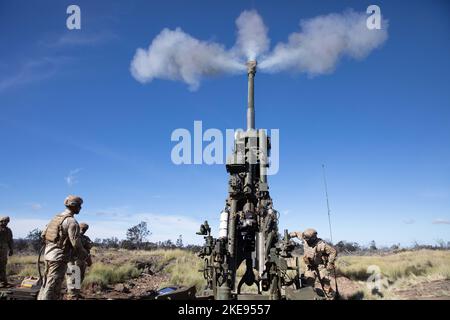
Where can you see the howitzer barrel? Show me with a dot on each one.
(251, 71)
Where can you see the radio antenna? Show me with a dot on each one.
(328, 203)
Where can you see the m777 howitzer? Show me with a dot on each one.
(249, 225)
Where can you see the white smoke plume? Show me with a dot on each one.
(322, 42)
(316, 49)
(252, 35)
(175, 55)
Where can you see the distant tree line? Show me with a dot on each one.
(31, 243)
(136, 239)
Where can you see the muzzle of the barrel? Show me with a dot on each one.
(251, 71)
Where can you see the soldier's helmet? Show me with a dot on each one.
(4, 219)
(84, 226)
(73, 201)
(309, 234)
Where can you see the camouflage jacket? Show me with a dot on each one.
(69, 245)
(319, 254)
(6, 238)
(86, 243)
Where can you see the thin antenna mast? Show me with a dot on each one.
(328, 203)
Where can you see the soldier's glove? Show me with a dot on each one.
(11, 253)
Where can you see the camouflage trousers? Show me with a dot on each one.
(3, 262)
(53, 280)
(320, 279)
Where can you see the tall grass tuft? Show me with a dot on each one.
(182, 267)
(104, 275)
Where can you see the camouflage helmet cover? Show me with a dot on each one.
(309, 234)
(72, 201)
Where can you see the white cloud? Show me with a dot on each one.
(161, 226)
(36, 206)
(22, 226)
(71, 179)
(115, 222)
(441, 221)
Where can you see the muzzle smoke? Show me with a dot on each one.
(315, 49)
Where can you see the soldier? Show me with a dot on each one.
(62, 244)
(6, 244)
(87, 245)
(319, 258)
(82, 263)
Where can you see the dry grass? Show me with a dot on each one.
(104, 275)
(182, 266)
(429, 263)
(398, 271)
(22, 265)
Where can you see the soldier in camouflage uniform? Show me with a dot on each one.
(82, 263)
(62, 244)
(87, 245)
(319, 258)
(6, 248)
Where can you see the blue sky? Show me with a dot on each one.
(74, 121)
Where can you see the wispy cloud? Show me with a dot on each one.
(121, 211)
(441, 221)
(71, 178)
(81, 38)
(36, 206)
(32, 71)
(409, 221)
(36, 69)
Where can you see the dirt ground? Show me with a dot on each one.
(144, 286)
(433, 290)
(155, 274)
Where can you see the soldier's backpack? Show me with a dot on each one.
(53, 231)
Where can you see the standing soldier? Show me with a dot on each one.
(62, 243)
(6, 244)
(319, 258)
(87, 245)
(82, 263)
